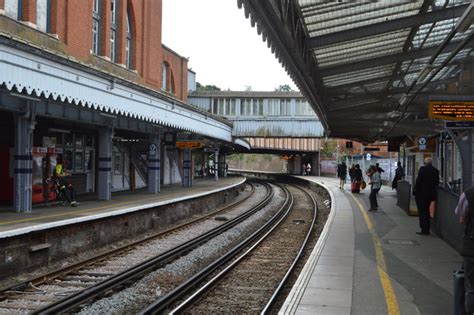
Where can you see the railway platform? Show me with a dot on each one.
(373, 262)
(42, 217)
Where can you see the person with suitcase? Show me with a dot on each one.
(465, 212)
(356, 179)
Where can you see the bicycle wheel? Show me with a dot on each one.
(51, 197)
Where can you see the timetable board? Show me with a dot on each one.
(451, 110)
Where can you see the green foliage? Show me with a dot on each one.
(329, 148)
(283, 88)
(201, 88)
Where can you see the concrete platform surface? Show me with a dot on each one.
(373, 262)
(12, 223)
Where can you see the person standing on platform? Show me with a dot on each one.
(342, 174)
(399, 174)
(379, 169)
(352, 172)
(426, 185)
(308, 169)
(375, 185)
(465, 212)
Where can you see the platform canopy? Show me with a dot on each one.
(368, 68)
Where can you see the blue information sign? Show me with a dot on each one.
(460, 124)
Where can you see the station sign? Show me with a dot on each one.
(460, 124)
(188, 144)
(451, 110)
(422, 143)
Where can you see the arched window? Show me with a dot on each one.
(43, 13)
(128, 45)
(113, 30)
(96, 27)
(13, 9)
(164, 76)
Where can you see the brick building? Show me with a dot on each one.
(122, 37)
(89, 83)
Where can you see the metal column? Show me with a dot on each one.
(187, 168)
(154, 153)
(216, 165)
(105, 164)
(24, 126)
(221, 166)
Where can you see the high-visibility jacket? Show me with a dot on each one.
(58, 170)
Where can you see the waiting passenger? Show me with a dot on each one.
(425, 190)
(342, 174)
(399, 174)
(375, 185)
(65, 187)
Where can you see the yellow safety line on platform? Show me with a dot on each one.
(390, 296)
(78, 211)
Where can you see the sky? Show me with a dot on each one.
(222, 47)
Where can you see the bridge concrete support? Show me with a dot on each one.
(154, 154)
(23, 170)
(104, 187)
(296, 166)
(222, 166)
(187, 180)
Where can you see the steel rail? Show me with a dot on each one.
(71, 302)
(277, 291)
(162, 303)
(63, 271)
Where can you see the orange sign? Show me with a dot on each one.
(451, 110)
(188, 144)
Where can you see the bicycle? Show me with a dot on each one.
(53, 194)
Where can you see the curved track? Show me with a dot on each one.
(62, 289)
(252, 281)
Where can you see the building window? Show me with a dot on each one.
(96, 27)
(43, 13)
(224, 106)
(273, 107)
(257, 107)
(13, 9)
(113, 30)
(303, 108)
(128, 45)
(285, 107)
(164, 77)
(246, 107)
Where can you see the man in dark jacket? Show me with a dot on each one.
(465, 212)
(426, 185)
(342, 174)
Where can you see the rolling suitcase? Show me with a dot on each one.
(355, 187)
(458, 292)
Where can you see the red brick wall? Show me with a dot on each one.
(28, 11)
(178, 73)
(71, 21)
(2, 4)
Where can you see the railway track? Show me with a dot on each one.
(64, 289)
(252, 282)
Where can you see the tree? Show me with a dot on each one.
(201, 88)
(329, 148)
(283, 88)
